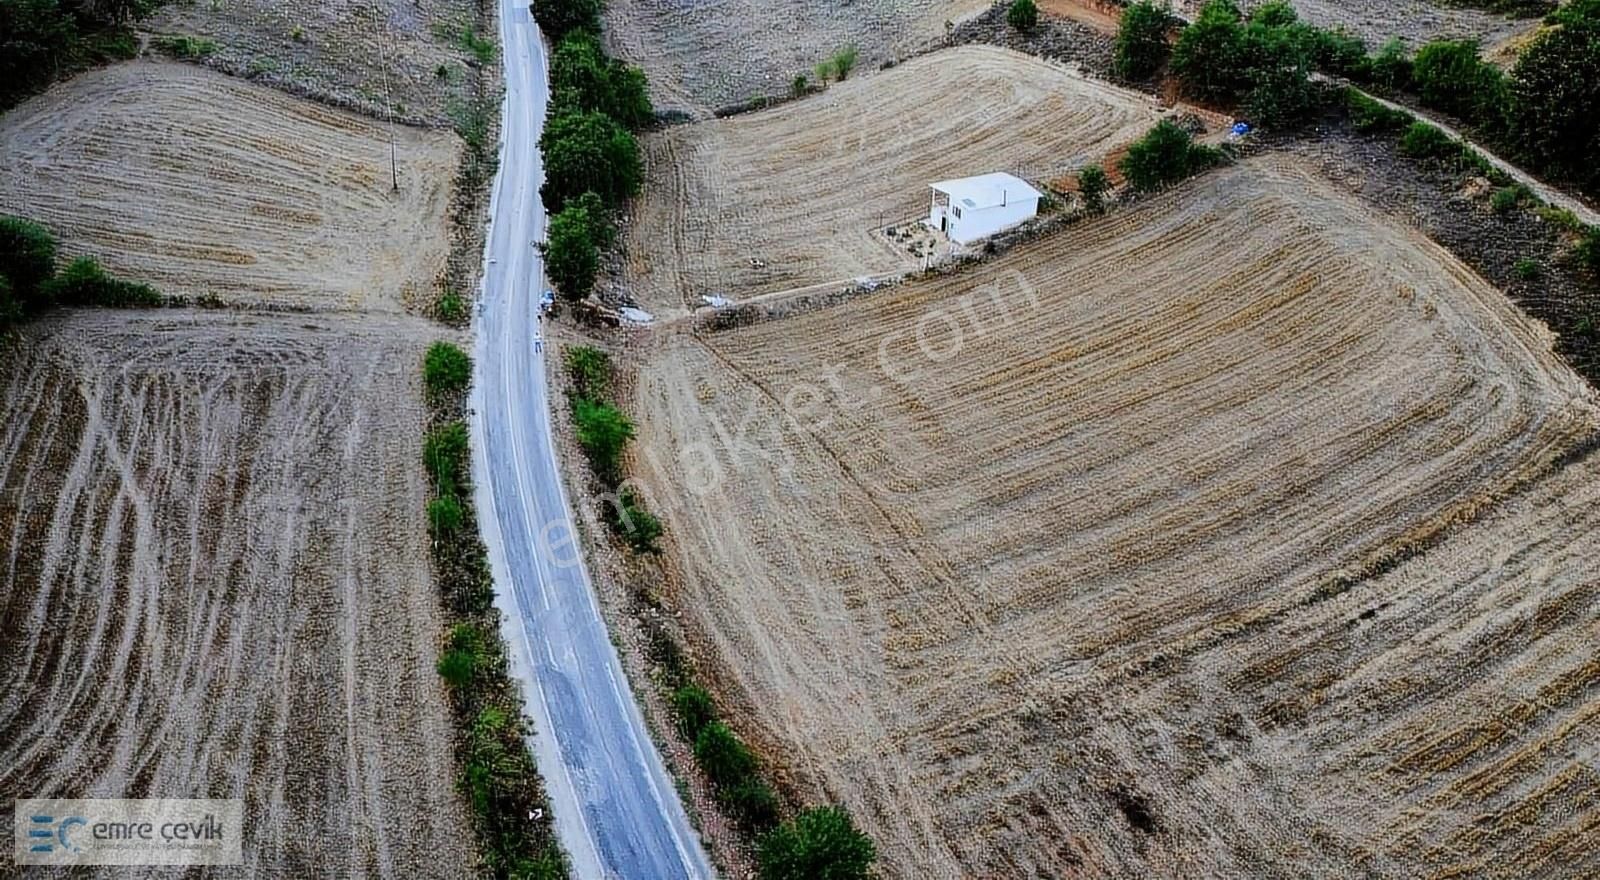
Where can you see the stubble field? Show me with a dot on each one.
(794, 196)
(205, 185)
(1045, 568)
(212, 533)
(383, 56)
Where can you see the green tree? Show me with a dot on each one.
(694, 708)
(570, 257)
(590, 369)
(603, 432)
(821, 843)
(583, 77)
(1278, 71)
(446, 369)
(1141, 46)
(1093, 184)
(557, 17)
(36, 40)
(27, 260)
(1450, 76)
(1211, 56)
(588, 151)
(1023, 15)
(1165, 155)
(725, 760)
(1274, 14)
(1555, 88)
(751, 803)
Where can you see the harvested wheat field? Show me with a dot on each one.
(383, 56)
(1414, 21)
(204, 185)
(700, 57)
(1041, 568)
(795, 195)
(218, 583)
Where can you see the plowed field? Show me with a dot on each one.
(1044, 568)
(202, 184)
(792, 196)
(217, 582)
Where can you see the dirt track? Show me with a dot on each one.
(213, 531)
(205, 185)
(801, 188)
(1051, 584)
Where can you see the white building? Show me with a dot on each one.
(971, 208)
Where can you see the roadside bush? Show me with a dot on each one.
(694, 708)
(450, 307)
(1165, 155)
(480, 47)
(602, 431)
(725, 760)
(463, 656)
(1141, 46)
(571, 258)
(821, 843)
(629, 519)
(1450, 76)
(1023, 15)
(84, 283)
(558, 17)
(446, 369)
(1369, 115)
(751, 803)
(589, 151)
(444, 451)
(590, 370)
(583, 77)
(1391, 67)
(1555, 89)
(1587, 253)
(27, 260)
(444, 516)
(1424, 141)
(1093, 184)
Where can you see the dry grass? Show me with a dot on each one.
(212, 534)
(204, 185)
(703, 56)
(1039, 588)
(382, 56)
(800, 189)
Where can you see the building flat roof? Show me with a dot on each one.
(986, 190)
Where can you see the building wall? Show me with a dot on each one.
(973, 225)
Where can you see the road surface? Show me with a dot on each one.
(616, 810)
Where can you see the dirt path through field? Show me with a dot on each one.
(219, 522)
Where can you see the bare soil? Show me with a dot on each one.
(703, 56)
(793, 196)
(218, 585)
(1045, 568)
(1413, 21)
(208, 186)
(380, 56)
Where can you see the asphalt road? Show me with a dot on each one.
(616, 810)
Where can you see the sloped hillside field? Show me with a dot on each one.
(212, 537)
(1055, 566)
(793, 196)
(208, 186)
